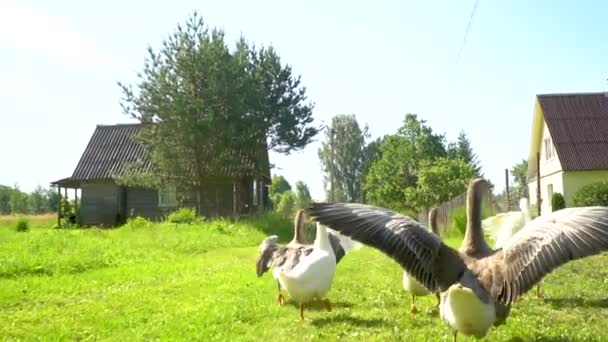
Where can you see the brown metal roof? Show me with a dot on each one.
(578, 124)
(113, 148)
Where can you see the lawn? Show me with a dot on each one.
(198, 282)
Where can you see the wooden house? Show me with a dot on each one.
(103, 202)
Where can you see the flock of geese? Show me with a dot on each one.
(475, 284)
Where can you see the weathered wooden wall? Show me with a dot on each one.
(100, 203)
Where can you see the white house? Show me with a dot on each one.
(570, 131)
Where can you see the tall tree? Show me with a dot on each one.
(440, 181)
(278, 186)
(519, 172)
(5, 198)
(206, 105)
(396, 172)
(38, 201)
(342, 156)
(462, 149)
(371, 153)
(18, 201)
(303, 197)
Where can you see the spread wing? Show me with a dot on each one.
(418, 251)
(548, 242)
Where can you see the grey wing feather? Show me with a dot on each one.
(549, 242)
(418, 251)
(337, 247)
(280, 256)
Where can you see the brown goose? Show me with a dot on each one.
(287, 257)
(477, 283)
(410, 283)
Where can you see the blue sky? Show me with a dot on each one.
(60, 62)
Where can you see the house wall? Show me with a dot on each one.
(100, 204)
(217, 197)
(574, 180)
(551, 165)
(551, 174)
(556, 180)
(144, 202)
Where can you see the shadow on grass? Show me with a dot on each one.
(577, 302)
(543, 339)
(354, 321)
(318, 306)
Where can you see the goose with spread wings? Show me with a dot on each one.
(477, 284)
(410, 284)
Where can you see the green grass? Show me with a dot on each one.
(198, 282)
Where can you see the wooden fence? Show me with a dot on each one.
(445, 209)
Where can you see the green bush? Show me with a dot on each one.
(182, 215)
(458, 218)
(23, 224)
(534, 210)
(138, 222)
(557, 201)
(286, 204)
(591, 195)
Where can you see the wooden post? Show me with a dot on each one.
(217, 201)
(76, 204)
(538, 197)
(260, 189)
(508, 194)
(59, 207)
(234, 199)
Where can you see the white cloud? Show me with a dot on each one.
(26, 28)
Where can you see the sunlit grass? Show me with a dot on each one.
(198, 282)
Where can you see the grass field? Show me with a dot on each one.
(198, 283)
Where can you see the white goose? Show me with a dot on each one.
(410, 283)
(504, 225)
(288, 256)
(311, 278)
(477, 284)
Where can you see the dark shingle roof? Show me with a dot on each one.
(578, 124)
(113, 148)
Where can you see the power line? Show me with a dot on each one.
(464, 39)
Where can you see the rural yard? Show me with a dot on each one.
(303, 171)
(198, 282)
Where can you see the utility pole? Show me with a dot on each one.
(331, 168)
(508, 194)
(538, 199)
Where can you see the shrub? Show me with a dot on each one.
(138, 222)
(534, 210)
(557, 201)
(458, 218)
(287, 203)
(23, 224)
(182, 215)
(591, 195)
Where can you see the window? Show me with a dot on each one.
(166, 196)
(255, 192)
(549, 151)
(550, 191)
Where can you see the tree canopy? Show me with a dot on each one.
(208, 105)
(343, 152)
(415, 170)
(462, 149)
